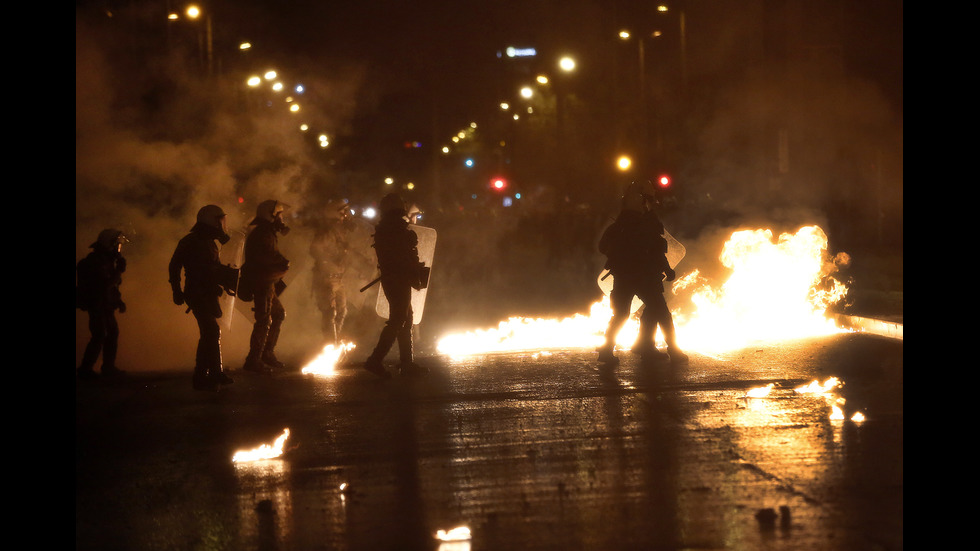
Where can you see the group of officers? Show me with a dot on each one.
(634, 245)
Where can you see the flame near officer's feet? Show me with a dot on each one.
(775, 291)
(265, 451)
(326, 362)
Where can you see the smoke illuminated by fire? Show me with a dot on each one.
(776, 290)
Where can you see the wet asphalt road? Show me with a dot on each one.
(530, 452)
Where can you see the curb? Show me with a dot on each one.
(890, 329)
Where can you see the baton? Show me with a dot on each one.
(368, 286)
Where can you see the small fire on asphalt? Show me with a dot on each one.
(265, 451)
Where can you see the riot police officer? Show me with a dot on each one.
(262, 273)
(99, 276)
(636, 250)
(396, 246)
(204, 280)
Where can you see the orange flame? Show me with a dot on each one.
(326, 362)
(265, 451)
(776, 291)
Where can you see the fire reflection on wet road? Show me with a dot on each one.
(535, 451)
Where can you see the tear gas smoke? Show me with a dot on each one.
(152, 147)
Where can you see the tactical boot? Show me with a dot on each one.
(607, 356)
(87, 374)
(676, 356)
(270, 360)
(222, 378)
(409, 369)
(255, 365)
(112, 371)
(375, 366)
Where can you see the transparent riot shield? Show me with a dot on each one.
(426, 248)
(231, 255)
(675, 253)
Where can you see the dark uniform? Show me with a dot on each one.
(262, 274)
(205, 279)
(99, 276)
(396, 246)
(636, 257)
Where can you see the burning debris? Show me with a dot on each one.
(828, 389)
(460, 533)
(265, 451)
(326, 362)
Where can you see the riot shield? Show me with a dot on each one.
(231, 255)
(675, 253)
(426, 248)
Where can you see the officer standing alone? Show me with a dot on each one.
(99, 276)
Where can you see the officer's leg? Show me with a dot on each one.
(260, 331)
(97, 329)
(276, 316)
(110, 346)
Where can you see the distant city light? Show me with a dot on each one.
(389, 181)
(269, 75)
(245, 46)
(567, 64)
(526, 92)
(521, 52)
(254, 81)
(468, 162)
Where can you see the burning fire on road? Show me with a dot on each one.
(776, 290)
(326, 362)
(265, 451)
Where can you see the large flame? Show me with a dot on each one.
(265, 451)
(775, 291)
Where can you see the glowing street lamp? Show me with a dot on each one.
(624, 163)
(566, 64)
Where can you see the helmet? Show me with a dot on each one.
(110, 240)
(391, 202)
(639, 195)
(268, 210)
(213, 217)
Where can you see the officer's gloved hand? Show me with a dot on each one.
(669, 272)
(178, 297)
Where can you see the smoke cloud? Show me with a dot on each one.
(156, 144)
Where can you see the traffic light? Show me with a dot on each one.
(498, 183)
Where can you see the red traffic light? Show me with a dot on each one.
(663, 180)
(498, 184)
